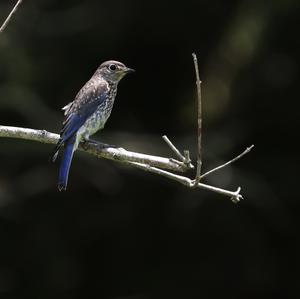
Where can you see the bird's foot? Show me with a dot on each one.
(91, 141)
(100, 145)
(85, 143)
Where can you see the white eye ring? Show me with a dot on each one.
(112, 67)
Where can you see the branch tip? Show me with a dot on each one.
(237, 197)
(246, 151)
(3, 26)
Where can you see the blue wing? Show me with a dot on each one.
(85, 104)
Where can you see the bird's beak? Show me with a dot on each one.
(129, 70)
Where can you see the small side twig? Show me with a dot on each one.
(184, 158)
(246, 151)
(199, 120)
(187, 158)
(173, 148)
(3, 26)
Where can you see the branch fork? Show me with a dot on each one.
(235, 196)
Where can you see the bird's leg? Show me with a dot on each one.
(84, 144)
(86, 140)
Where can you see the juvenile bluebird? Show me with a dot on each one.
(88, 113)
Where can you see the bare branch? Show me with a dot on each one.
(142, 161)
(184, 158)
(95, 148)
(199, 119)
(173, 148)
(235, 196)
(246, 151)
(3, 26)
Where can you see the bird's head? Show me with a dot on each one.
(113, 70)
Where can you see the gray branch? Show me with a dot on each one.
(246, 151)
(235, 196)
(199, 121)
(3, 26)
(97, 149)
(154, 164)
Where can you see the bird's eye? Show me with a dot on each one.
(112, 67)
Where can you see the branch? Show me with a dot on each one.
(3, 26)
(173, 148)
(235, 196)
(184, 158)
(246, 151)
(199, 120)
(142, 161)
(97, 149)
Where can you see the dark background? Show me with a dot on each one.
(119, 232)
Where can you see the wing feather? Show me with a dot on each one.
(85, 104)
(92, 94)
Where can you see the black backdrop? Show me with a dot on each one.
(122, 233)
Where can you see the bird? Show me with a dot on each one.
(88, 113)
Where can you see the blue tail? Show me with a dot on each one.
(65, 166)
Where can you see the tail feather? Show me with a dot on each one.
(65, 165)
(55, 151)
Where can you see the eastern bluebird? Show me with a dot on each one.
(88, 113)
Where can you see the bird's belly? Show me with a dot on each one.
(95, 122)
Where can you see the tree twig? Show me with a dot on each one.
(3, 26)
(199, 120)
(173, 148)
(95, 148)
(235, 196)
(184, 158)
(246, 151)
